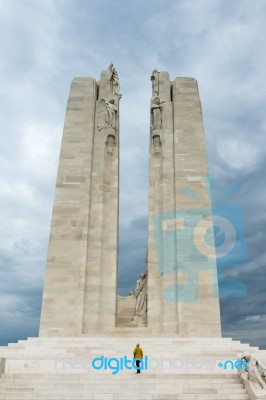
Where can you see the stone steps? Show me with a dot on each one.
(87, 396)
(106, 375)
(33, 370)
(90, 387)
(140, 387)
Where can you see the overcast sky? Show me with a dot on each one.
(44, 45)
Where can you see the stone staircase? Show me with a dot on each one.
(178, 368)
(145, 387)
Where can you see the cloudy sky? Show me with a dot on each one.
(44, 44)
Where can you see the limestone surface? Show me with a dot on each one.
(182, 277)
(178, 368)
(80, 283)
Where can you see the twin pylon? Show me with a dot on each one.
(80, 292)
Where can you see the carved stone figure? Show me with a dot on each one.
(140, 292)
(110, 144)
(255, 375)
(107, 114)
(114, 79)
(156, 108)
(155, 82)
(157, 144)
(111, 111)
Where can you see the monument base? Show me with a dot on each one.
(126, 313)
(178, 368)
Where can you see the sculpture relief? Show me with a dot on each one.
(107, 114)
(110, 144)
(140, 293)
(114, 79)
(155, 82)
(156, 144)
(111, 113)
(254, 376)
(156, 110)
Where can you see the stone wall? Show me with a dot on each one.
(182, 285)
(81, 274)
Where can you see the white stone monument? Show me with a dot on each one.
(173, 312)
(180, 294)
(182, 282)
(80, 283)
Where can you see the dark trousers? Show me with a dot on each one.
(137, 364)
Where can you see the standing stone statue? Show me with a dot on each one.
(111, 113)
(107, 114)
(155, 82)
(140, 292)
(156, 109)
(114, 79)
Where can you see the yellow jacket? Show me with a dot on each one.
(138, 353)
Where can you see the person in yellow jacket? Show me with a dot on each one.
(138, 353)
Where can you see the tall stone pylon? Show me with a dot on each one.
(79, 294)
(182, 277)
